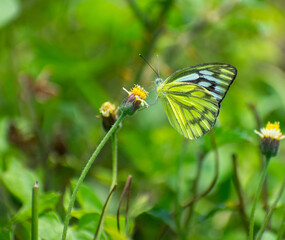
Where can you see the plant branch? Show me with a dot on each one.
(85, 171)
(195, 187)
(98, 230)
(211, 186)
(261, 157)
(153, 30)
(113, 184)
(257, 194)
(126, 188)
(35, 214)
(114, 160)
(281, 228)
(140, 15)
(269, 214)
(238, 187)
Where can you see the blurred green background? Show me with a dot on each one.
(61, 60)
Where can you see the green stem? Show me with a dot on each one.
(115, 160)
(281, 228)
(112, 188)
(179, 179)
(190, 212)
(214, 181)
(85, 171)
(126, 188)
(262, 229)
(35, 220)
(257, 194)
(240, 194)
(101, 220)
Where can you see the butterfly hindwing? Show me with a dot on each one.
(191, 109)
(215, 77)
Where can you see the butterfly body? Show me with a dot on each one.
(191, 96)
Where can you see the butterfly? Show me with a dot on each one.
(191, 96)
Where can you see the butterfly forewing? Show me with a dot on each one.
(191, 109)
(215, 77)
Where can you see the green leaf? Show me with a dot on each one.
(46, 201)
(19, 180)
(50, 226)
(89, 222)
(110, 227)
(140, 205)
(164, 216)
(88, 199)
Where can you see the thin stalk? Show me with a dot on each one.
(272, 208)
(114, 159)
(113, 185)
(257, 194)
(85, 171)
(98, 230)
(35, 215)
(213, 183)
(194, 191)
(176, 214)
(127, 186)
(281, 228)
(240, 194)
(261, 157)
(128, 204)
(179, 179)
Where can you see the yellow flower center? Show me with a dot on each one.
(139, 92)
(275, 126)
(107, 109)
(272, 130)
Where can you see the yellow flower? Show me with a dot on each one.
(270, 139)
(109, 115)
(107, 109)
(139, 93)
(272, 130)
(135, 100)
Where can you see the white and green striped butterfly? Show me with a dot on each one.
(191, 96)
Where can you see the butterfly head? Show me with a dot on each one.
(158, 81)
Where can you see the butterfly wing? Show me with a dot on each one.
(191, 109)
(215, 77)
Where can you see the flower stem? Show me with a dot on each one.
(126, 188)
(257, 194)
(259, 235)
(240, 194)
(112, 188)
(35, 219)
(281, 228)
(101, 220)
(85, 171)
(115, 160)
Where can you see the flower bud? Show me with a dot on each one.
(269, 146)
(270, 139)
(109, 115)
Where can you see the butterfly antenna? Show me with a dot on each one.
(157, 65)
(148, 64)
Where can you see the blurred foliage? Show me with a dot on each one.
(60, 60)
